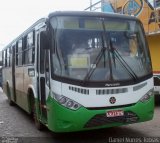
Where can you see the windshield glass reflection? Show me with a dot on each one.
(79, 49)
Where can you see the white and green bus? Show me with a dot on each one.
(78, 71)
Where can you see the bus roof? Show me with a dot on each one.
(88, 13)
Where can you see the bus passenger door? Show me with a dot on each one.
(41, 79)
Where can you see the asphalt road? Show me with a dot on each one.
(16, 126)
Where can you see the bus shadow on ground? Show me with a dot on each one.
(157, 99)
(97, 136)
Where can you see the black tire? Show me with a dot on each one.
(37, 122)
(11, 103)
(157, 99)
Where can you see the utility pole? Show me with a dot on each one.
(90, 5)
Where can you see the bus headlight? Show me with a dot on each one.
(66, 102)
(147, 96)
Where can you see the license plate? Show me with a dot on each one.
(115, 113)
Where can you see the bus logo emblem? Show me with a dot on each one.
(112, 100)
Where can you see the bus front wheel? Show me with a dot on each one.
(37, 122)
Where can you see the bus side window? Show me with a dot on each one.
(46, 61)
(19, 53)
(3, 58)
(10, 56)
(42, 60)
(25, 52)
(40, 56)
(7, 57)
(47, 67)
(29, 48)
(16, 55)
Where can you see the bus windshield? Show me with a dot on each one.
(99, 49)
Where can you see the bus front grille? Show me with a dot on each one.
(102, 119)
(79, 90)
(111, 91)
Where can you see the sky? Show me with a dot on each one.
(17, 15)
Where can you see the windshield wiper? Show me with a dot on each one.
(99, 56)
(96, 62)
(116, 54)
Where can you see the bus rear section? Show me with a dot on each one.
(91, 70)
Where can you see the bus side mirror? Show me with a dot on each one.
(44, 40)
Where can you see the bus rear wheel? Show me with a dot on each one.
(11, 103)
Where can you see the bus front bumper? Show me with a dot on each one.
(61, 119)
